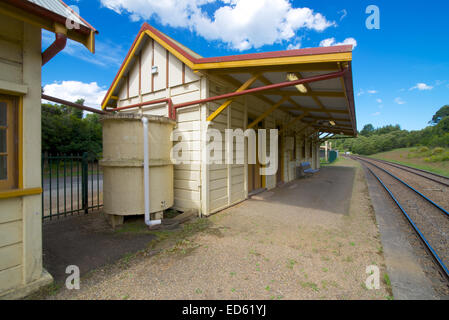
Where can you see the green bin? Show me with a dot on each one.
(333, 155)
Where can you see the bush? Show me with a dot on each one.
(437, 151)
(423, 149)
(426, 143)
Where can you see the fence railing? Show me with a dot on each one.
(71, 184)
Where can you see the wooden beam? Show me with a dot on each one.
(243, 87)
(331, 66)
(329, 119)
(291, 123)
(268, 112)
(329, 136)
(291, 93)
(306, 127)
(314, 110)
(309, 89)
(337, 130)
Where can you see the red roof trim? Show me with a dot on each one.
(146, 26)
(250, 56)
(279, 54)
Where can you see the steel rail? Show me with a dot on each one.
(415, 227)
(406, 168)
(410, 187)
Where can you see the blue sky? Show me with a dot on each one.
(401, 72)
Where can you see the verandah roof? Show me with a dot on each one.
(326, 105)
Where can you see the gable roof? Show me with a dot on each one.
(198, 63)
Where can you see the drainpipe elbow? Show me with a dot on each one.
(57, 46)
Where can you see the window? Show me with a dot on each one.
(8, 143)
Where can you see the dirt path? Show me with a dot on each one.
(306, 240)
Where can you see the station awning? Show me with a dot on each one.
(326, 105)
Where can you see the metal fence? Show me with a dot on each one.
(71, 184)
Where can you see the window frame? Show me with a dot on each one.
(12, 143)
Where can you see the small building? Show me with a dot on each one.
(162, 77)
(21, 59)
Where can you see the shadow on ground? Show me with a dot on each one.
(88, 242)
(329, 190)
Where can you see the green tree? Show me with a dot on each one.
(367, 130)
(64, 130)
(440, 115)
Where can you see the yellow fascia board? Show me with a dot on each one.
(127, 62)
(187, 62)
(122, 71)
(331, 57)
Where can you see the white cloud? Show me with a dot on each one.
(362, 92)
(376, 114)
(332, 42)
(421, 87)
(242, 24)
(92, 93)
(379, 100)
(399, 100)
(295, 46)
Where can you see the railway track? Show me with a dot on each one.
(428, 219)
(442, 180)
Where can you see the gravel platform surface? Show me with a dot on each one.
(311, 239)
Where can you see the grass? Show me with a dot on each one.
(387, 280)
(420, 158)
(327, 164)
(310, 285)
(291, 263)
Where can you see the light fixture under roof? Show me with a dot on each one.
(293, 77)
(332, 123)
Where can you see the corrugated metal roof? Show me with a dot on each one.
(59, 8)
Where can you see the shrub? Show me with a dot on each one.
(437, 151)
(427, 159)
(423, 149)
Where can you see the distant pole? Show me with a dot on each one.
(326, 146)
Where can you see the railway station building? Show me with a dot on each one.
(305, 94)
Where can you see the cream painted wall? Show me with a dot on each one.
(20, 218)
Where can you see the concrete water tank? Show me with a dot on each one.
(123, 174)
